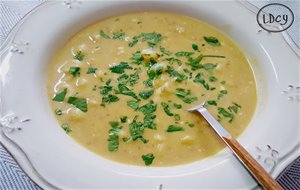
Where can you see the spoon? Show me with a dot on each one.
(254, 168)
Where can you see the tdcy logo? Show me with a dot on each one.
(275, 17)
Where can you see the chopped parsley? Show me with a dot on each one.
(225, 113)
(146, 94)
(183, 54)
(75, 71)
(120, 68)
(199, 78)
(152, 39)
(234, 108)
(134, 41)
(66, 127)
(195, 62)
(148, 83)
(113, 137)
(123, 89)
(148, 108)
(109, 99)
(174, 128)
(58, 111)
(134, 104)
(79, 103)
(178, 106)
(212, 79)
(155, 71)
(79, 56)
(212, 40)
(174, 60)
(222, 93)
(177, 117)
(172, 72)
(60, 97)
(166, 108)
(119, 35)
(212, 102)
(185, 95)
(91, 70)
(103, 35)
(230, 112)
(123, 119)
(137, 58)
(164, 51)
(195, 47)
(104, 90)
(148, 159)
(209, 66)
(136, 130)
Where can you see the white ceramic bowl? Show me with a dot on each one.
(272, 137)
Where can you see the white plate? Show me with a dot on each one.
(272, 137)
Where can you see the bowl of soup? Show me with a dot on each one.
(100, 98)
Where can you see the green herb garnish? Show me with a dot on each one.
(75, 71)
(123, 89)
(148, 108)
(152, 38)
(212, 102)
(113, 137)
(104, 90)
(58, 111)
(66, 127)
(119, 35)
(178, 106)
(212, 79)
(174, 128)
(136, 130)
(164, 51)
(209, 66)
(212, 41)
(120, 68)
(134, 41)
(166, 108)
(79, 56)
(102, 33)
(59, 97)
(225, 113)
(195, 47)
(137, 58)
(91, 70)
(234, 108)
(199, 78)
(183, 54)
(222, 93)
(185, 95)
(155, 71)
(109, 99)
(174, 60)
(123, 119)
(172, 72)
(146, 94)
(79, 103)
(177, 117)
(134, 104)
(195, 62)
(148, 159)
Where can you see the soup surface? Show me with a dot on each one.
(121, 88)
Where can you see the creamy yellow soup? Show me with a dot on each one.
(121, 88)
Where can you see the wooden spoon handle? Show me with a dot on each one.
(256, 169)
